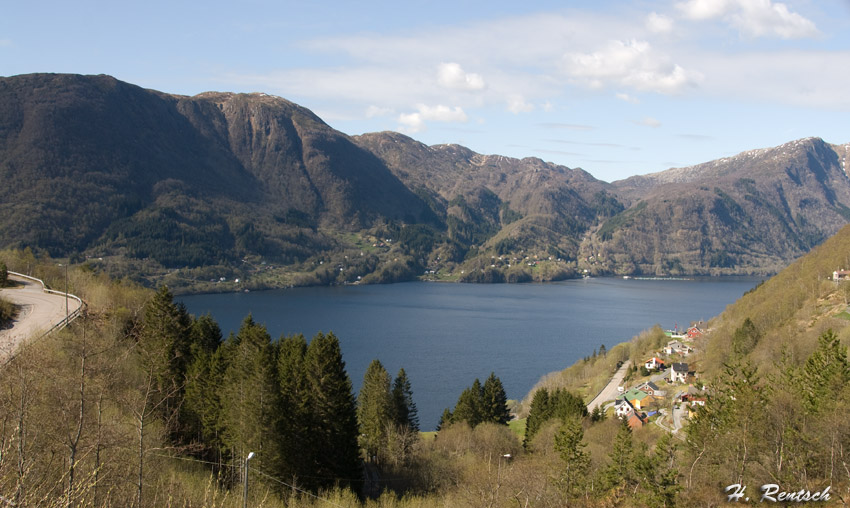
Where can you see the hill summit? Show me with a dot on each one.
(185, 190)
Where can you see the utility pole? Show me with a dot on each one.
(67, 315)
(245, 481)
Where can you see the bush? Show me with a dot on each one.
(7, 311)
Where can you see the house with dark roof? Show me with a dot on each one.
(623, 408)
(678, 372)
(651, 389)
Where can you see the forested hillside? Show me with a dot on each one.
(196, 192)
(140, 404)
(773, 370)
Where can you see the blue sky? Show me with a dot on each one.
(616, 88)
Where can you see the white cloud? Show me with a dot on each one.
(415, 122)
(704, 9)
(811, 79)
(5, 43)
(627, 98)
(451, 75)
(659, 23)
(517, 104)
(649, 122)
(375, 111)
(631, 63)
(754, 18)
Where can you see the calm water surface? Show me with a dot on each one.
(445, 335)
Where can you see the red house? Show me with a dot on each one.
(694, 332)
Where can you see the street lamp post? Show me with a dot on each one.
(245, 481)
(67, 315)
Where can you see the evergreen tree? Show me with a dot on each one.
(621, 471)
(4, 275)
(297, 448)
(597, 415)
(204, 335)
(375, 409)
(200, 411)
(494, 401)
(445, 419)
(334, 414)
(658, 476)
(575, 461)
(537, 415)
(251, 406)
(825, 373)
(564, 404)
(164, 351)
(745, 337)
(468, 404)
(404, 409)
(602, 350)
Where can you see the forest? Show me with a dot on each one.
(140, 404)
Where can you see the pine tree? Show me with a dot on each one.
(164, 350)
(575, 461)
(297, 448)
(565, 404)
(468, 404)
(375, 409)
(537, 415)
(201, 406)
(597, 415)
(494, 406)
(251, 406)
(404, 408)
(745, 337)
(334, 414)
(825, 373)
(204, 335)
(445, 419)
(620, 470)
(658, 476)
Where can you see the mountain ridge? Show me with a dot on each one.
(213, 183)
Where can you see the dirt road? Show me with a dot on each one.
(39, 312)
(610, 391)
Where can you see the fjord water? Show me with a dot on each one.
(446, 335)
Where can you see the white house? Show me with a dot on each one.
(678, 372)
(623, 408)
(676, 347)
(654, 364)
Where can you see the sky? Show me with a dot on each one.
(616, 88)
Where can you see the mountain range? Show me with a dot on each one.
(190, 190)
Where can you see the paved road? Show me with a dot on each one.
(677, 417)
(39, 312)
(610, 391)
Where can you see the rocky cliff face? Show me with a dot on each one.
(749, 213)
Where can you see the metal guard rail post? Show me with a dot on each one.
(72, 316)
